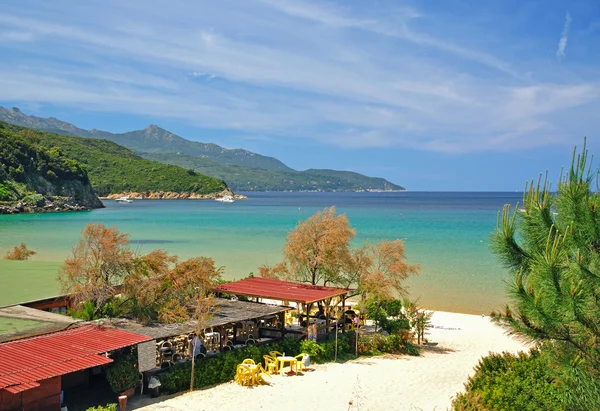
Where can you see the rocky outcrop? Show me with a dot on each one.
(169, 195)
(47, 205)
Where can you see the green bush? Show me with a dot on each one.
(107, 407)
(377, 344)
(511, 382)
(222, 368)
(123, 373)
(34, 200)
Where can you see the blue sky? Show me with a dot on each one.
(452, 95)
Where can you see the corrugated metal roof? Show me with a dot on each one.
(24, 362)
(280, 290)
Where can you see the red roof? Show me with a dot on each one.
(280, 290)
(25, 362)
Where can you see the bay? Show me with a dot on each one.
(447, 234)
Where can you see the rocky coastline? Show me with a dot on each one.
(48, 205)
(170, 195)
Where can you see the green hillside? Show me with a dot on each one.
(241, 178)
(243, 170)
(37, 176)
(115, 169)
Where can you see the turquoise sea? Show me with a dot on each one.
(446, 233)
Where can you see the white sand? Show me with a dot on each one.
(428, 382)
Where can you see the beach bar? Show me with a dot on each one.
(232, 324)
(304, 295)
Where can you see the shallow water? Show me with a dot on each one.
(446, 233)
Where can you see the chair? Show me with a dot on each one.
(244, 375)
(275, 354)
(248, 361)
(300, 361)
(270, 364)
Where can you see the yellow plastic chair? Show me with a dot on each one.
(248, 361)
(300, 362)
(270, 364)
(276, 354)
(244, 375)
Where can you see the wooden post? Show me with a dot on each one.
(327, 305)
(220, 329)
(282, 323)
(308, 307)
(344, 315)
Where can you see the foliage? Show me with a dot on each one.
(512, 382)
(152, 287)
(253, 178)
(115, 169)
(19, 252)
(99, 263)
(123, 373)
(552, 250)
(38, 169)
(107, 407)
(377, 344)
(551, 247)
(222, 368)
(418, 319)
(318, 252)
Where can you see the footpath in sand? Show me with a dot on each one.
(427, 382)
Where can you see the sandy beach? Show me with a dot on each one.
(427, 382)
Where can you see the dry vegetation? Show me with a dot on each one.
(19, 252)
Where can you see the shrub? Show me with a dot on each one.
(19, 252)
(511, 382)
(220, 369)
(123, 373)
(34, 200)
(107, 407)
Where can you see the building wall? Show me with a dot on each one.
(46, 397)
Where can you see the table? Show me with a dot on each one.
(292, 360)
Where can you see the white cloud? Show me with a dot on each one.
(301, 70)
(562, 43)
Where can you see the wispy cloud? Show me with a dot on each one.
(564, 37)
(320, 72)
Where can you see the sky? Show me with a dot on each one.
(434, 96)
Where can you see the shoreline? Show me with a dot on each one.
(456, 342)
(172, 195)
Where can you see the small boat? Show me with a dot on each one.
(225, 199)
(124, 199)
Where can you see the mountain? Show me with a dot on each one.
(113, 169)
(242, 170)
(150, 139)
(34, 178)
(241, 178)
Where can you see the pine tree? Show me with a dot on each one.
(551, 246)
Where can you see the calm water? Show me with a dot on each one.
(446, 233)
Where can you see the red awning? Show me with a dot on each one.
(280, 290)
(25, 362)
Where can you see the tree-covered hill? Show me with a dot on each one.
(241, 178)
(243, 170)
(115, 169)
(37, 177)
